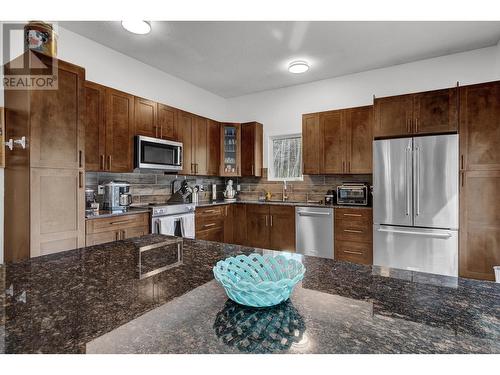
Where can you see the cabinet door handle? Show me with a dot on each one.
(343, 166)
(252, 170)
(354, 215)
(353, 231)
(348, 166)
(80, 163)
(101, 163)
(462, 176)
(209, 225)
(122, 235)
(109, 162)
(271, 220)
(352, 252)
(462, 161)
(117, 235)
(210, 211)
(266, 220)
(80, 179)
(416, 125)
(408, 125)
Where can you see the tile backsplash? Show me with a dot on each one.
(312, 187)
(156, 187)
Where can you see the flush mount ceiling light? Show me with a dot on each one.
(137, 27)
(297, 67)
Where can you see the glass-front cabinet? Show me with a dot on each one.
(230, 164)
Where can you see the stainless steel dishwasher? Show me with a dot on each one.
(314, 231)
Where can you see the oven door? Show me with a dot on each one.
(154, 153)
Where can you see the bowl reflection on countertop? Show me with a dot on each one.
(259, 330)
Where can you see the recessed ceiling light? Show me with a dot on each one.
(297, 67)
(137, 27)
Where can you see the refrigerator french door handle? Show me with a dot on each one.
(417, 176)
(408, 178)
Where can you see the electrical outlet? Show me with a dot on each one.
(238, 187)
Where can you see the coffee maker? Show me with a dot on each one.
(117, 196)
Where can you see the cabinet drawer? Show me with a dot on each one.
(117, 222)
(353, 231)
(353, 215)
(214, 234)
(211, 211)
(209, 223)
(100, 238)
(356, 252)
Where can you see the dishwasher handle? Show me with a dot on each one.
(313, 213)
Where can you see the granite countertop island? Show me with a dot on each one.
(156, 294)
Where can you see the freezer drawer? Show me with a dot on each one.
(314, 231)
(418, 249)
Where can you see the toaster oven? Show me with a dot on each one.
(353, 194)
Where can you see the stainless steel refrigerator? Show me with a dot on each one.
(415, 204)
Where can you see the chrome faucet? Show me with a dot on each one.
(283, 192)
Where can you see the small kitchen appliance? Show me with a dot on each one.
(353, 194)
(330, 198)
(230, 192)
(117, 196)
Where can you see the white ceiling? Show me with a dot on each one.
(237, 58)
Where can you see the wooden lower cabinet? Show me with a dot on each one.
(210, 223)
(239, 223)
(353, 235)
(271, 227)
(115, 228)
(258, 226)
(480, 224)
(282, 221)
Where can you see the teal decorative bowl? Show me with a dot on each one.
(259, 281)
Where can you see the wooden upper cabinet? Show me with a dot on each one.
(119, 121)
(145, 117)
(185, 131)
(393, 116)
(200, 146)
(95, 130)
(435, 111)
(430, 112)
(167, 122)
(311, 150)
(230, 146)
(341, 140)
(213, 148)
(480, 126)
(359, 139)
(252, 149)
(334, 142)
(56, 124)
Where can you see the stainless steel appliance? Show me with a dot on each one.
(314, 231)
(174, 219)
(415, 204)
(353, 194)
(117, 195)
(154, 153)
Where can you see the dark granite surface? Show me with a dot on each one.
(92, 300)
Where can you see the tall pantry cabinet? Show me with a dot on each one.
(479, 180)
(44, 171)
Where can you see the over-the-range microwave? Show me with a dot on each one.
(155, 153)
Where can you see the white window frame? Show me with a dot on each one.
(270, 161)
